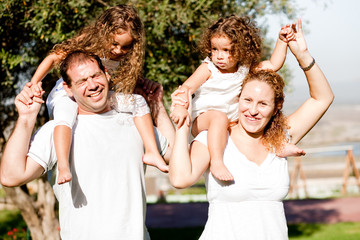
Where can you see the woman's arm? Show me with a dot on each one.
(186, 167)
(321, 95)
(179, 112)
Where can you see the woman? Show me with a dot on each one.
(251, 206)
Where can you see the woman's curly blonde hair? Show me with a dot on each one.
(244, 35)
(96, 38)
(275, 132)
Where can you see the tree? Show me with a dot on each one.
(30, 28)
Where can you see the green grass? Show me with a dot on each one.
(343, 231)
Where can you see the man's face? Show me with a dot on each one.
(89, 87)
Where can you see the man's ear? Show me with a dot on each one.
(67, 89)
(107, 75)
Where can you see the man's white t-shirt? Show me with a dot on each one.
(106, 197)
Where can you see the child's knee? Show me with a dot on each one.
(220, 118)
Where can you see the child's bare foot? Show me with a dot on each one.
(64, 176)
(218, 169)
(154, 159)
(291, 150)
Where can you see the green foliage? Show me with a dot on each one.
(30, 28)
(173, 29)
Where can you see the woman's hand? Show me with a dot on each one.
(298, 45)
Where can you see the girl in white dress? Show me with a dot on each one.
(232, 46)
(251, 206)
(117, 36)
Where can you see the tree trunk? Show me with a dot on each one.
(38, 214)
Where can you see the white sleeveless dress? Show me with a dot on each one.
(251, 207)
(220, 92)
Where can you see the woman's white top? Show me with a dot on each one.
(220, 92)
(251, 206)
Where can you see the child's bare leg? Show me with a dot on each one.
(152, 156)
(290, 150)
(216, 123)
(62, 142)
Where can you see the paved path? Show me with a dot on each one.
(309, 211)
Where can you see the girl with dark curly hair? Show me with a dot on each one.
(232, 46)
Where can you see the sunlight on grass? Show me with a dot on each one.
(343, 231)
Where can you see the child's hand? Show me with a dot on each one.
(179, 115)
(287, 33)
(36, 89)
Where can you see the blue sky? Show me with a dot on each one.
(333, 38)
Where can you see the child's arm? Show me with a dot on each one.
(179, 112)
(153, 93)
(278, 56)
(43, 69)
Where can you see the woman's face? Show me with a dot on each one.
(120, 45)
(256, 106)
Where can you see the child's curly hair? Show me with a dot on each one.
(275, 132)
(96, 38)
(244, 35)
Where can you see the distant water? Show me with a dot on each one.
(356, 150)
(346, 93)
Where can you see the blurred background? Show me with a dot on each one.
(29, 29)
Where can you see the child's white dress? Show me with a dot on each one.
(220, 92)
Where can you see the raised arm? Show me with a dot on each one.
(278, 56)
(179, 112)
(15, 167)
(321, 95)
(43, 69)
(186, 168)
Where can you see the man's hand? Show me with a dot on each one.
(27, 102)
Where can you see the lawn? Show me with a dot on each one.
(339, 231)
(10, 220)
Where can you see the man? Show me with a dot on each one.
(106, 197)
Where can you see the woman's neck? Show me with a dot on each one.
(249, 144)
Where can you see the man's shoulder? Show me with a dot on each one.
(49, 125)
(45, 130)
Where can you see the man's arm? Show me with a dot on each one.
(15, 167)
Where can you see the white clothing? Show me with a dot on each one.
(106, 197)
(66, 109)
(134, 104)
(220, 92)
(250, 207)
